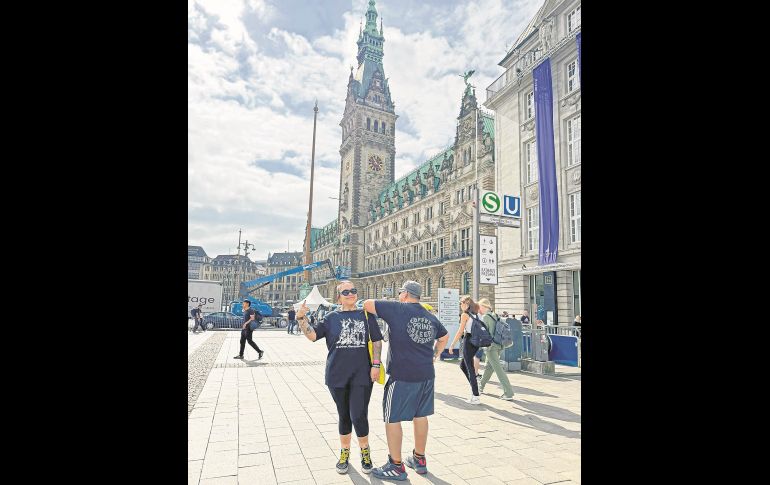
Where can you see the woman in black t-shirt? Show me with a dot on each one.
(349, 372)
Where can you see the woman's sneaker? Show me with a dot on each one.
(342, 465)
(366, 460)
(419, 464)
(474, 400)
(390, 471)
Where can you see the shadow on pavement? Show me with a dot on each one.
(454, 401)
(527, 420)
(557, 377)
(549, 411)
(535, 422)
(429, 477)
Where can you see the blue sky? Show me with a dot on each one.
(255, 68)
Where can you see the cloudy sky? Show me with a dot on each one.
(255, 68)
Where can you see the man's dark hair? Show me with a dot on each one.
(247, 301)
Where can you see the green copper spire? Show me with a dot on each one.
(370, 41)
(370, 53)
(371, 18)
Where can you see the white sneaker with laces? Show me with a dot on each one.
(474, 400)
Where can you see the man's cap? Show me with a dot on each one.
(485, 303)
(411, 287)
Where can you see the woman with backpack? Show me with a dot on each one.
(493, 354)
(467, 350)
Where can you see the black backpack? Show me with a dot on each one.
(480, 336)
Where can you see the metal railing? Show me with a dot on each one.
(565, 330)
(568, 330)
(224, 323)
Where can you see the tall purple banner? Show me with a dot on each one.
(546, 160)
(580, 66)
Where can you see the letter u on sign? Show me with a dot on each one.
(512, 206)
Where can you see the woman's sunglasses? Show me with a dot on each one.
(351, 291)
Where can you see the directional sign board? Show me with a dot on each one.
(500, 221)
(449, 309)
(488, 260)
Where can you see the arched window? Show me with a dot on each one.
(376, 126)
(375, 291)
(368, 124)
(441, 282)
(429, 287)
(382, 129)
(466, 283)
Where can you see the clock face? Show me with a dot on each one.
(375, 163)
(468, 126)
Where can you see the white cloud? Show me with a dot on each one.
(249, 102)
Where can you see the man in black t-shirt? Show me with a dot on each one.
(196, 314)
(409, 390)
(292, 321)
(249, 316)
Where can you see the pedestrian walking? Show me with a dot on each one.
(493, 354)
(250, 316)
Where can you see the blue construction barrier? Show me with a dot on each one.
(564, 350)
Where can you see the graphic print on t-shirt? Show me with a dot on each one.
(420, 329)
(352, 334)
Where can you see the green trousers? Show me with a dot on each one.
(493, 363)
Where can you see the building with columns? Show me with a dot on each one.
(550, 292)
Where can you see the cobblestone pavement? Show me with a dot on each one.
(273, 421)
(200, 361)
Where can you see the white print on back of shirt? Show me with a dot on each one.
(420, 329)
(352, 334)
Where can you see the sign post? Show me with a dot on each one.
(488, 260)
(449, 309)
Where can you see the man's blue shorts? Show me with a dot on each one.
(404, 401)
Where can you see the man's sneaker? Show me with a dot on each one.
(238, 357)
(342, 465)
(474, 400)
(506, 398)
(419, 464)
(260, 354)
(366, 460)
(390, 471)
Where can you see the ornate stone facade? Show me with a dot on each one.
(419, 226)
